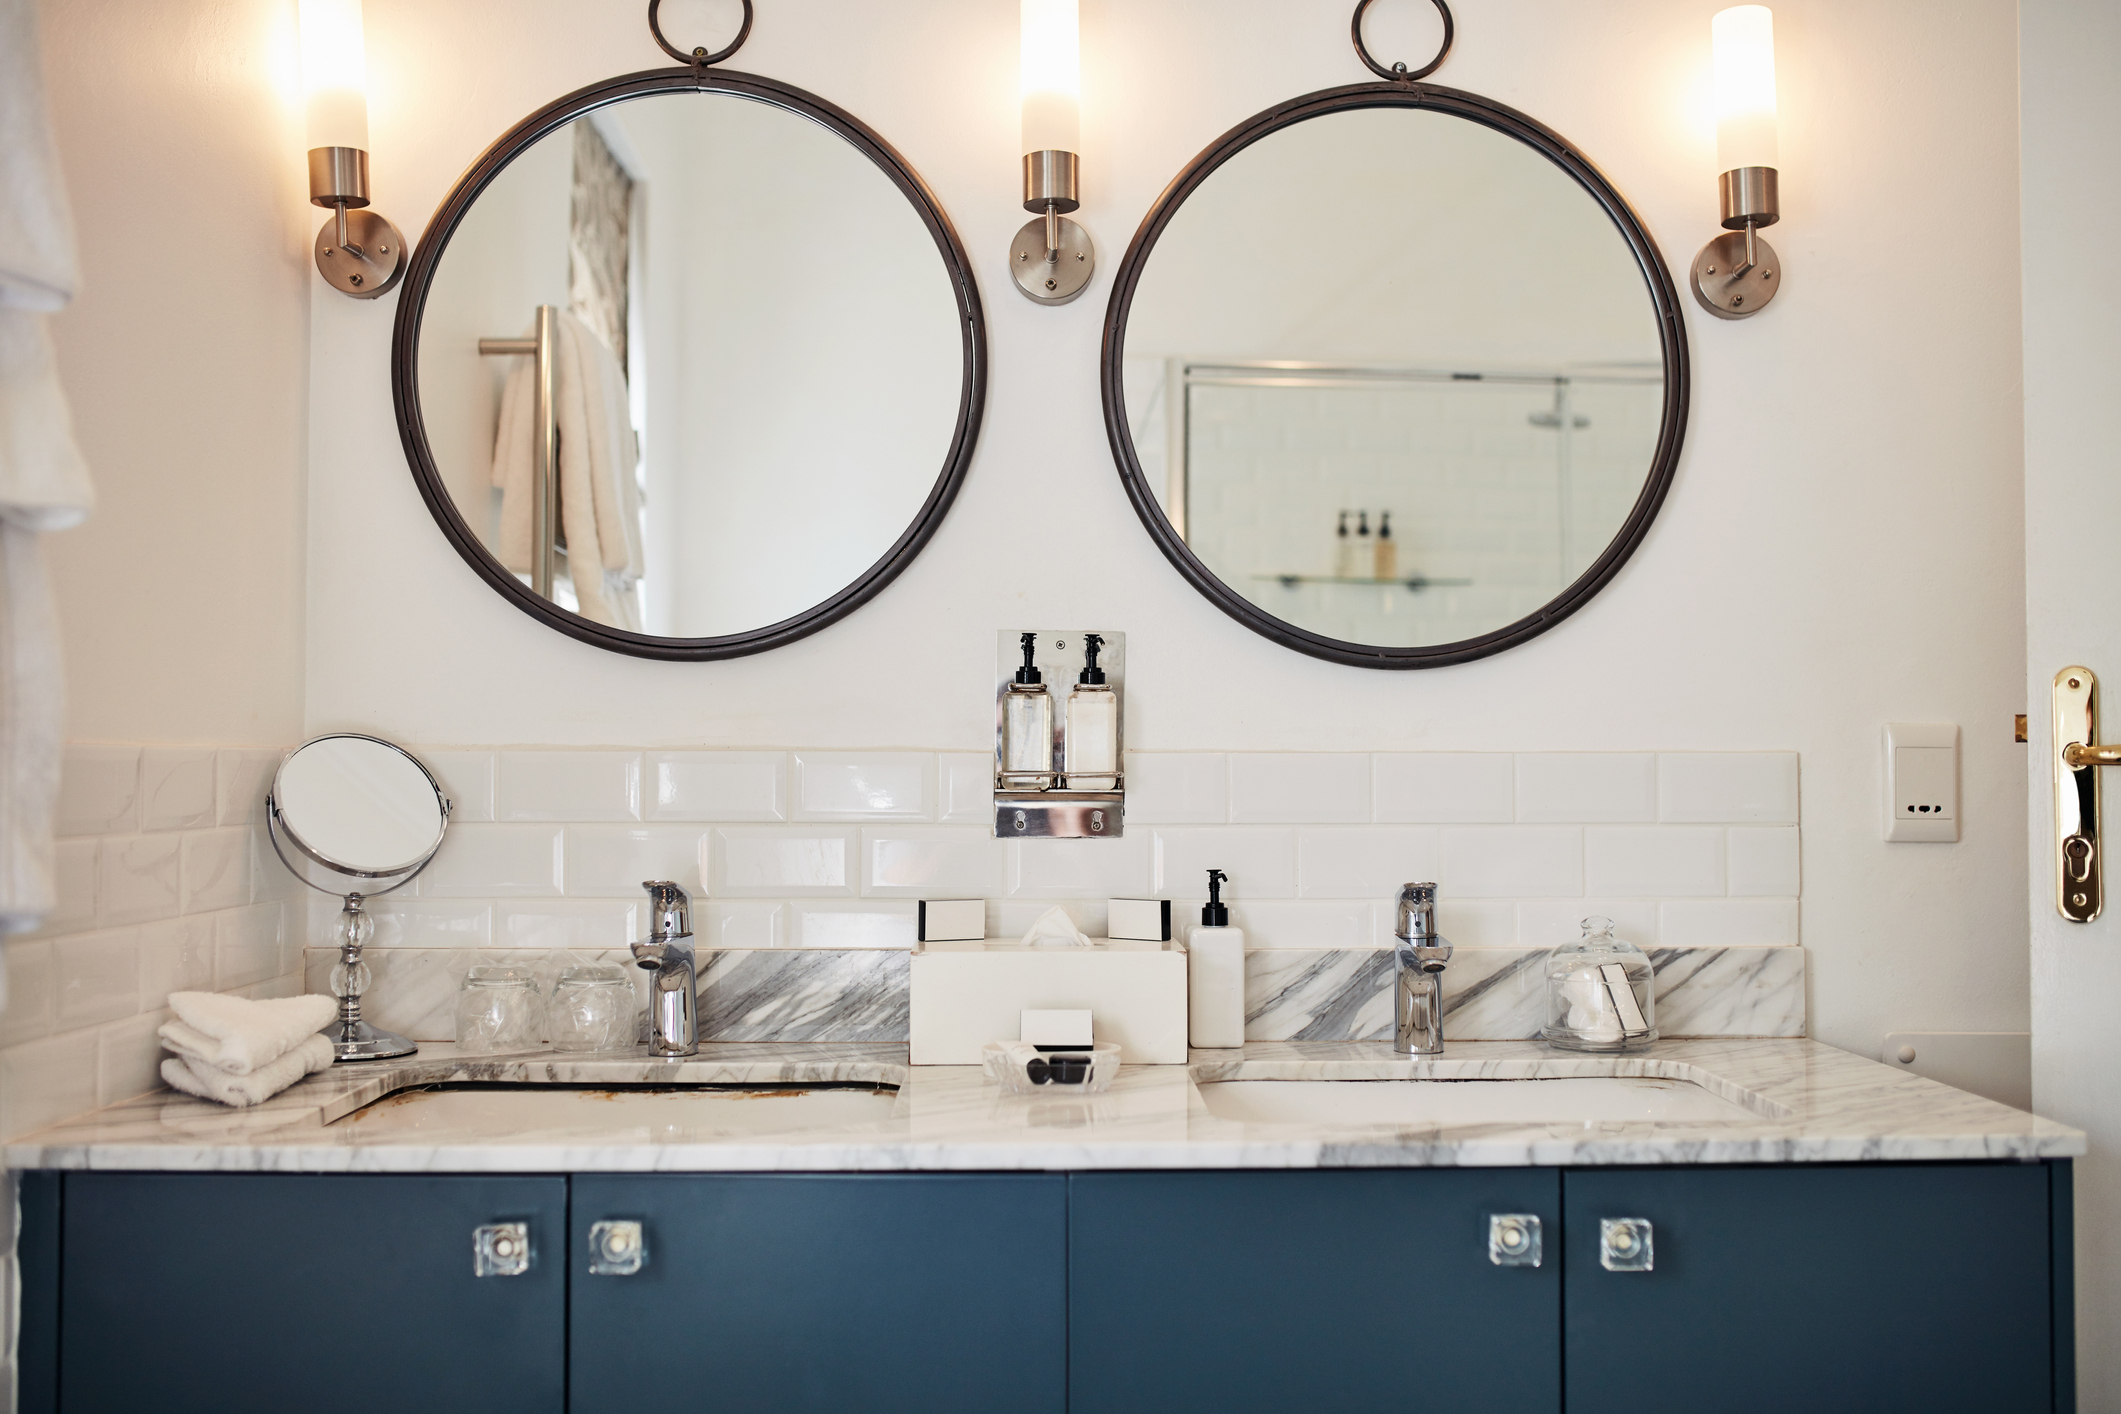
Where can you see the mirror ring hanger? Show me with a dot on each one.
(699, 58)
(1397, 73)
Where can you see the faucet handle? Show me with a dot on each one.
(669, 909)
(1417, 912)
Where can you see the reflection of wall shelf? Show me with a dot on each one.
(1415, 582)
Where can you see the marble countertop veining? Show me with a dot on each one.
(1804, 1102)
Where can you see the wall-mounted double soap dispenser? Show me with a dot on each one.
(1058, 773)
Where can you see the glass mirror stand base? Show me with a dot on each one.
(353, 1039)
(356, 1040)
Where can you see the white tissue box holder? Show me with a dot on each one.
(964, 995)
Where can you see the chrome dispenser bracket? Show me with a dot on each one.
(1058, 808)
(2080, 891)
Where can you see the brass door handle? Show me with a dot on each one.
(2079, 852)
(2077, 756)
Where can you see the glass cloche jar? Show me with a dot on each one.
(1601, 993)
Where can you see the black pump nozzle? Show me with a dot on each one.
(1028, 674)
(1216, 913)
(1092, 673)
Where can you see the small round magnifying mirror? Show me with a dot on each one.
(355, 816)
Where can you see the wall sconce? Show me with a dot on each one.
(1052, 257)
(1737, 274)
(358, 252)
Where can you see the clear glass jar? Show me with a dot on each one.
(498, 1010)
(1027, 737)
(1601, 993)
(591, 1009)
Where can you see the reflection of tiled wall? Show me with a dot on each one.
(167, 883)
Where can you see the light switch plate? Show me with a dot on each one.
(1922, 782)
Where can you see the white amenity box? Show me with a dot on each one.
(967, 994)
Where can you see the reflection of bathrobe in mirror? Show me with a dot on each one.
(600, 497)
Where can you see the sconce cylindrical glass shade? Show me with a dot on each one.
(1052, 76)
(334, 74)
(1744, 38)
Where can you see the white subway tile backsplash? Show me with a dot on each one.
(613, 861)
(242, 779)
(1736, 787)
(1511, 861)
(176, 955)
(1442, 787)
(1261, 863)
(786, 861)
(717, 785)
(1177, 788)
(1273, 788)
(871, 923)
(99, 790)
(99, 977)
(270, 878)
(496, 861)
(1580, 787)
(743, 923)
(1364, 861)
(1273, 923)
(1464, 922)
(74, 884)
(48, 1080)
(176, 788)
(290, 985)
(1069, 869)
(567, 785)
(129, 1058)
(214, 868)
(938, 861)
(1661, 861)
(1727, 922)
(404, 920)
(247, 945)
(1763, 861)
(1548, 923)
(965, 787)
(864, 785)
(32, 990)
(565, 923)
(466, 778)
(137, 878)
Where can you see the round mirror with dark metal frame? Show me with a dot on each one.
(522, 587)
(1661, 374)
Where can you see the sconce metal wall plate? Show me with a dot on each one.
(376, 270)
(1729, 283)
(1055, 276)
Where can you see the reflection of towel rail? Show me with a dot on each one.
(545, 446)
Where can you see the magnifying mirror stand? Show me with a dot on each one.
(353, 1039)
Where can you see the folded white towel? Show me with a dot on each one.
(239, 1036)
(37, 268)
(262, 1084)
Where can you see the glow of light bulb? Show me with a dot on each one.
(334, 73)
(1744, 37)
(1051, 76)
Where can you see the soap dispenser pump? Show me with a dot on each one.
(1027, 726)
(1215, 975)
(1091, 739)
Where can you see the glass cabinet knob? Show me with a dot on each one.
(1514, 1240)
(1626, 1245)
(500, 1250)
(616, 1249)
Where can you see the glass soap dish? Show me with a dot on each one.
(1601, 993)
(1025, 1070)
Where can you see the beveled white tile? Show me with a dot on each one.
(1299, 787)
(1511, 861)
(1442, 787)
(1364, 861)
(613, 861)
(32, 990)
(270, 878)
(99, 977)
(1661, 861)
(870, 923)
(47, 1081)
(965, 787)
(466, 778)
(176, 788)
(129, 1058)
(1727, 922)
(1099, 869)
(289, 985)
(496, 861)
(864, 785)
(99, 790)
(1763, 861)
(567, 785)
(741, 924)
(1733, 787)
(1261, 863)
(565, 923)
(1286, 923)
(785, 861)
(716, 785)
(215, 869)
(247, 945)
(1178, 788)
(242, 777)
(406, 921)
(1548, 923)
(933, 861)
(1581, 787)
(137, 878)
(1464, 922)
(176, 955)
(74, 884)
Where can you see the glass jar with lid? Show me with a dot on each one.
(1601, 993)
(499, 1010)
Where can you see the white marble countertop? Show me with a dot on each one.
(1802, 1102)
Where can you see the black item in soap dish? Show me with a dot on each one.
(1062, 1069)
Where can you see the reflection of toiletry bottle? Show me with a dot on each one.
(1365, 556)
(1215, 975)
(1027, 727)
(1343, 550)
(1387, 548)
(1091, 742)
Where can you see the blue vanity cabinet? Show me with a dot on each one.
(808, 1293)
(1371, 1289)
(235, 1293)
(1928, 1287)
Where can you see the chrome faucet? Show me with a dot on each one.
(673, 1004)
(1418, 999)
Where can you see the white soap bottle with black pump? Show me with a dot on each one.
(1090, 736)
(1215, 975)
(1027, 726)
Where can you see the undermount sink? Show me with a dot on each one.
(1573, 1100)
(475, 1113)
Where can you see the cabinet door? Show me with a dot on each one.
(1882, 1287)
(785, 1293)
(271, 1292)
(1344, 1290)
